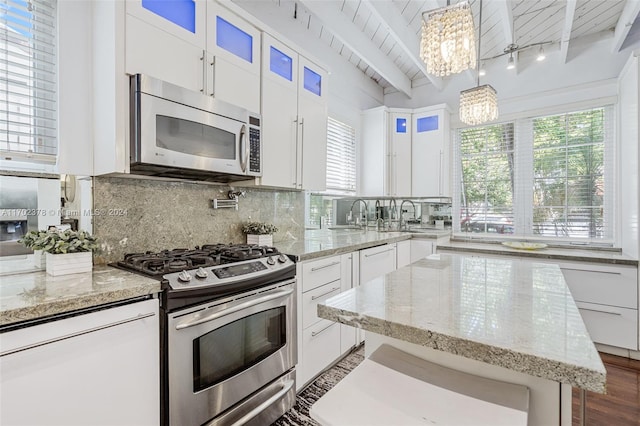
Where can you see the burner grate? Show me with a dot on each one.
(176, 260)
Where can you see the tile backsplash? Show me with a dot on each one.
(136, 215)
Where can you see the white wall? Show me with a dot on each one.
(550, 82)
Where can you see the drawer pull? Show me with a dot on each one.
(325, 293)
(315, 333)
(602, 312)
(380, 252)
(317, 268)
(588, 270)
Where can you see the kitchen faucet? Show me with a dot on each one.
(366, 210)
(401, 211)
(379, 217)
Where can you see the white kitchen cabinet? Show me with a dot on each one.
(420, 249)
(377, 261)
(198, 45)
(611, 325)
(294, 115)
(321, 342)
(400, 136)
(233, 73)
(96, 368)
(347, 333)
(430, 145)
(152, 51)
(403, 253)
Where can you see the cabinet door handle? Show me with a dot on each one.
(204, 71)
(588, 270)
(325, 293)
(301, 152)
(440, 175)
(380, 252)
(76, 334)
(315, 333)
(601, 311)
(317, 268)
(213, 76)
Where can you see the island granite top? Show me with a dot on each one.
(36, 295)
(516, 315)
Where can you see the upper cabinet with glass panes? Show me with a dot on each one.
(196, 44)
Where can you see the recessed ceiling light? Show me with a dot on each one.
(511, 64)
(482, 71)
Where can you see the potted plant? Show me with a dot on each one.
(29, 241)
(67, 252)
(259, 233)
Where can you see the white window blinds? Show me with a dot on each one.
(28, 80)
(548, 178)
(486, 180)
(571, 180)
(341, 157)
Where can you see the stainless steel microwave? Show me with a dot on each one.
(179, 133)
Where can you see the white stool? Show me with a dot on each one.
(394, 388)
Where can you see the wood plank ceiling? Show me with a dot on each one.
(381, 37)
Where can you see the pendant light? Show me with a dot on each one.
(479, 104)
(448, 39)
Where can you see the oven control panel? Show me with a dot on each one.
(254, 269)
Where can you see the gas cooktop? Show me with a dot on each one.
(157, 264)
(214, 268)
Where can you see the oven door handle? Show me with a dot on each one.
(286, 387)
(239, 307)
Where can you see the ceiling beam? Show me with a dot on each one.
(506, 19)
(343, 29)
(566, 30)
(626, 20)
(397, 27)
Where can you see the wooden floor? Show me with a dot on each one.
(621, 405)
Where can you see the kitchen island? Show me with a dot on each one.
(511, 321)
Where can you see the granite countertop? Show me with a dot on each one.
(558, 253)
(516, 315)
(37, 295)
(324, 242)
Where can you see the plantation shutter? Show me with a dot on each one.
(341, 157)
(28, 85)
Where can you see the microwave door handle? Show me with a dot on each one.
(244, 148)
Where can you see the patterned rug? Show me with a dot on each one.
(299, 414)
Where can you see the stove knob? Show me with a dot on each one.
(184, 277)
(282, 258)
(201, 273)
(271, 261)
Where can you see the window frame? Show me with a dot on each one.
(523, 196)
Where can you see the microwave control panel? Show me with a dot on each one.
(254, 145)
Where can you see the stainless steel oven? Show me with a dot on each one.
(219, 352)
(228, 332)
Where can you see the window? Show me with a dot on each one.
(28, 85)
(341, 158)
(547, 177)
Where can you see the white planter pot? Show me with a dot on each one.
(70, 263)
(39, 259)
(261, 240)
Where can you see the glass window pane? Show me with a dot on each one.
(401, 125)
(233, 39)
(312, 81)
(180, 12)
(280, 63)
(426, 124)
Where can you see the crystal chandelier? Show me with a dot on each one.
(448, 40)
(480, 104)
